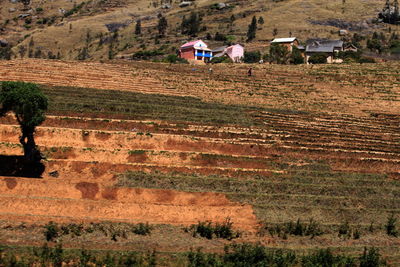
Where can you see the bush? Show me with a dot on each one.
(324, 257)
(147, 54)
(252, 57)
(391, 226)
(256, 255)
(175, 59)
(51, 231)
(371, 258)
(344, 230)
(207, 230)
(142, 229)
(366, 60)
(279, 54)
(217, 60)
(318, 58)
(296, 57)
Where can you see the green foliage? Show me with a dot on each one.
(5, 52)
(162, 26)
(251, 32)
(252, 57)
(200, 259)
(256, 255)
(325, 258)
(375, 45)
(390, 226)
(279, 54)
(220, 37)
(52, 231)
(371, 258)
(142, 229)
(25, 100)
(223, 59)
(56, 257)
(296, 57)
(74, 10)
(138, 27)
(147, 54)
(191, 26)
(318, 58)
(344, 230)
(208, 230)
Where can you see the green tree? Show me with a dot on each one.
(279, 54)
(261, 20)
(162, 26)
(251, 32)
(191, 26)
(296, 57)
(391, 226)
(28, 103)
(318, 58)
(138, 27)
(252, 57)
(5, 52)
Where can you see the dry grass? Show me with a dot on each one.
(61, 39)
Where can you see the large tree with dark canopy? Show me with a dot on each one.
(28, 104)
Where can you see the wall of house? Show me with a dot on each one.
(187, 53)
(235, 52)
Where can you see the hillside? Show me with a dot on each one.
(51, 31)
(129, 143)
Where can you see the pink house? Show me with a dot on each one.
(234, 52)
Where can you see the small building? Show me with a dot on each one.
(288, 42)
(195, 51)
(234, 52)
(330, 48)
(350, 47)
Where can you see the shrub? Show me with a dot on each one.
(296, 57)
(279, 54)
(318, 58)
(51, 231)
(366, 60)
(207, 230)
(324, 257)
(217, 60)
(224, 230)
(252, 57)
(147, 54)
(175, 59)
(371, 258)
(391, 226)
(344, 230)
(256, 255)
(142, 229)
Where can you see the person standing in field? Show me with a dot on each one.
(250, 72)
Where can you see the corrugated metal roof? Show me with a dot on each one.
(321, 49)
(284, 40)
(219, 54)
(325, 42)
(220, 49)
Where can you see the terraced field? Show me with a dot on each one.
(129, 156)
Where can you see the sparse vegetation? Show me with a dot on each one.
(218, 230)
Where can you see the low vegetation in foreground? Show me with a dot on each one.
(237, 255)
